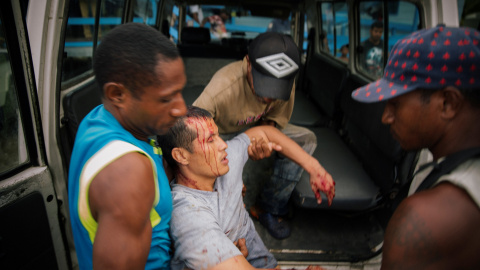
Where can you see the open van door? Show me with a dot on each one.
(30, 234)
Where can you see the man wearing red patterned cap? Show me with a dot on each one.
(431, 86)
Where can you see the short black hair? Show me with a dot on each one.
(376, 24)
(129, 54)
(180, 135)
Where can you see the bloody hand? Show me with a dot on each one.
(321, 181)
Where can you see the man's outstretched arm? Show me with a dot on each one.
(320, 179)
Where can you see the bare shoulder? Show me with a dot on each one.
(125, 184)
(437, 228)
(121, 197)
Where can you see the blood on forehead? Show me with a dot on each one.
(205, 124)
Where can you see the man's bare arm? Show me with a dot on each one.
(434, 229)
(320, 179)
(121, 197)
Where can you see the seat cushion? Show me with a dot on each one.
(305, 113)
(191, 93)
(195, 35)
(354, 190)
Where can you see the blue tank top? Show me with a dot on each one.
(100, 140)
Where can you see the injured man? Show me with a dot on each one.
(210, 227)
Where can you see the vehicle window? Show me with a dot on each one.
(403, 19)
(110, 16)
(82, 33)
(230, 22)
(306, 29)
(469, 13)
(326, 33)
(334, 34)
(174, 24)
(145, 11)
(12, 141)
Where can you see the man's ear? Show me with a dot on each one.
(452, 102)
(115, 93)
(181, 155)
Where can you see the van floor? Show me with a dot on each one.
(317, 234)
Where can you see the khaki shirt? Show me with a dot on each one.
(229, 98)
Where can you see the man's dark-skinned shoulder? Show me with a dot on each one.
(416, 241)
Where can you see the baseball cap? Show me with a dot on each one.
(275, 59)
(428, 59)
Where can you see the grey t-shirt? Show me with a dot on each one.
(205, 224)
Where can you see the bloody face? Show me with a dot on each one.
(157, 107)
(414, 122)
(209, 158)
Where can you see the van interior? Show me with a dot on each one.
(47, 87)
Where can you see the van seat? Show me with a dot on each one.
(195, 35)
(305, 113)
(370, 139)
(196, 42)
(355, 190)
(77, 104)
(365, 162)
(191, 93)
(324, 81)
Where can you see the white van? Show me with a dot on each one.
(47, 87)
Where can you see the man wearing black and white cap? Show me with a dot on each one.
(260, 91)
(431, 86)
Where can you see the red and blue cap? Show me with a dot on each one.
(428, 59)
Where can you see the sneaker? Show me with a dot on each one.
(276, 226)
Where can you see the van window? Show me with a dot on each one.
(469, 13)
(145, 11)
(12, 140)
(231, 24)
(110, 16)
(326, 36)
(174, 24)
(82, 33)
(334, 34)
(403, 19)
